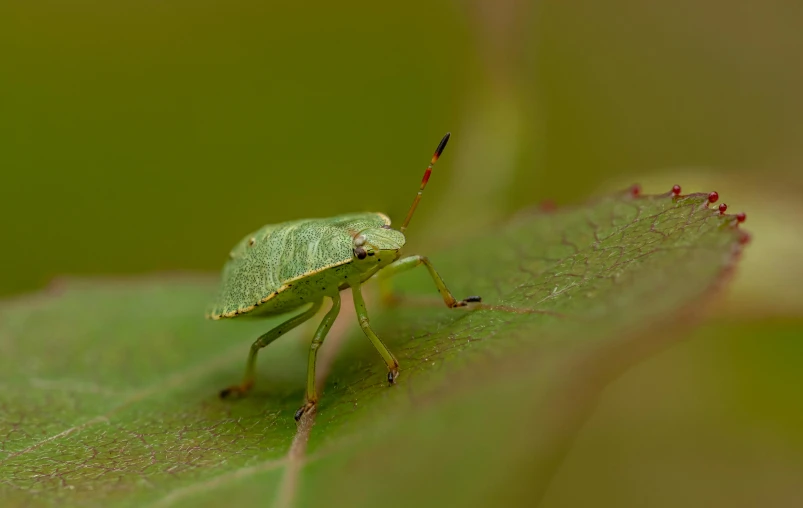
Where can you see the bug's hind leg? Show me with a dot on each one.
(404, 264)
(387, 295)
(317, 341)
(262, 341)
(362, 316)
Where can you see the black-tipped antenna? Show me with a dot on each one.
(424, 180)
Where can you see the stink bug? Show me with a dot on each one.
(283, 267)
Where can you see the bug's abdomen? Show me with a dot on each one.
(306, 289)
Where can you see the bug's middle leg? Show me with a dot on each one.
(404, 264)
(317, 341)
(362, 316)
(262, 341)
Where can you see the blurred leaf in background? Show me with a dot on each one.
(139, 136)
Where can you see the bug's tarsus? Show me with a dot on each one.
(236, 390)
(232, 392)
(425, 179)
(465, 301)
(309, 405)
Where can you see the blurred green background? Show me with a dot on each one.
(141, 136)
(149, 136)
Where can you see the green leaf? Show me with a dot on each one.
(110, 388)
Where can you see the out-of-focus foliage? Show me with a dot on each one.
(138, 136)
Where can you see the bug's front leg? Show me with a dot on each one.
(362, 316)
(317, 341)
(404, 264)
(262, 341)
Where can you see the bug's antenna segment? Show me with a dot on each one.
(424, 180)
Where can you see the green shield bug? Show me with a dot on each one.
(284, 267)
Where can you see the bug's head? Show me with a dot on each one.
(377, 246)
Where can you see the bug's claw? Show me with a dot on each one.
(392, 376)
(466, 301)
(309, 405)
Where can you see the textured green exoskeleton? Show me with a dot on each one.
(296, 264)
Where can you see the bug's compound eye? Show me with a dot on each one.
(360, 252)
